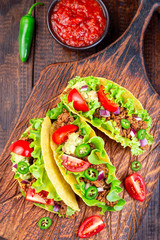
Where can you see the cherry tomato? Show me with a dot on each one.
(40, 197)
(91, 226)
(21, 147)
(78, 102)
(61, 134)
(136, 187)
(106, 103)
(74, 164)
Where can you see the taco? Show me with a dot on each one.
(112, 109)
(37, 173)
(83, 161)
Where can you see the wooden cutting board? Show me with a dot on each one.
(123, 63)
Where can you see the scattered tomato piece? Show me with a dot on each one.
(136, 187)
(91, 226)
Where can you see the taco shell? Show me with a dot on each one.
(69, 177)
(127, 94)
(62, 187)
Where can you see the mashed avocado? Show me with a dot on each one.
(90, 96)
(73, 141)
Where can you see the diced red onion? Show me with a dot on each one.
(100, 189)
(104, 113)
(15, 166)
(138, 118)
(101, 175)
(117, 111)
(87, 186)
(56, 208)
(25, 181)
(133, 132)
(84, 88)
(81, 137)
(143, 142)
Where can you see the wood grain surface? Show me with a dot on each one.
(22, 76)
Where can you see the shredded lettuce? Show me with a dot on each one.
(91, 81)
(115, 93)
(55, 112)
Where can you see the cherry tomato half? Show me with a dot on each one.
(21, 147)
(74, 164)
(61, 134)
(40, 197)
(106, 103)
(91, 226)
(78, 102)
(136, 187)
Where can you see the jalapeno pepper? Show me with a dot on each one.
(141, 134)
(125, 123)
(135, 166)
(91, 193)
(44, 223)
(91, 174)
(26, 33)
(82, 150)
(22, 167)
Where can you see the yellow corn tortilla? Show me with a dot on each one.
(127, 94)
(62, 187)
(69, 177)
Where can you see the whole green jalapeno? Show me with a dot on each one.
(26, 33)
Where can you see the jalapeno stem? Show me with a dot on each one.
(31, 9)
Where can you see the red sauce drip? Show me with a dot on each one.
(78, 23)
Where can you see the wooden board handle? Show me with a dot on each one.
(141, 20)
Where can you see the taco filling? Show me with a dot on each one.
(28, 166)
(81, 157)
(112, 109)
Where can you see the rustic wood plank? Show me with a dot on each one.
(156, 56)
(16, 77)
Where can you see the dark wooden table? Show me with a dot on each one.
(17, 78)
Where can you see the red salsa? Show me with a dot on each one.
(78, 23)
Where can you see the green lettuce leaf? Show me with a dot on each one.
(55, 112)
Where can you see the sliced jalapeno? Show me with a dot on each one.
(22, 167)
(135, 166)
(91, 193)
(91, 174)
(141, 134)
(125, 123)
(82, 150)
(44, 223)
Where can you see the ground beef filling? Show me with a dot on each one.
(101, 184)
(64, 119)
(135, 124)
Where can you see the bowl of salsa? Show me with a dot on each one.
(78, 24)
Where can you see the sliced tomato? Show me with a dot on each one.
(78, 102)
(74, 164)
(40, 197)
(21, 147)
(61, 134)
(91, 226)
(136, 187)
(106, 103)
